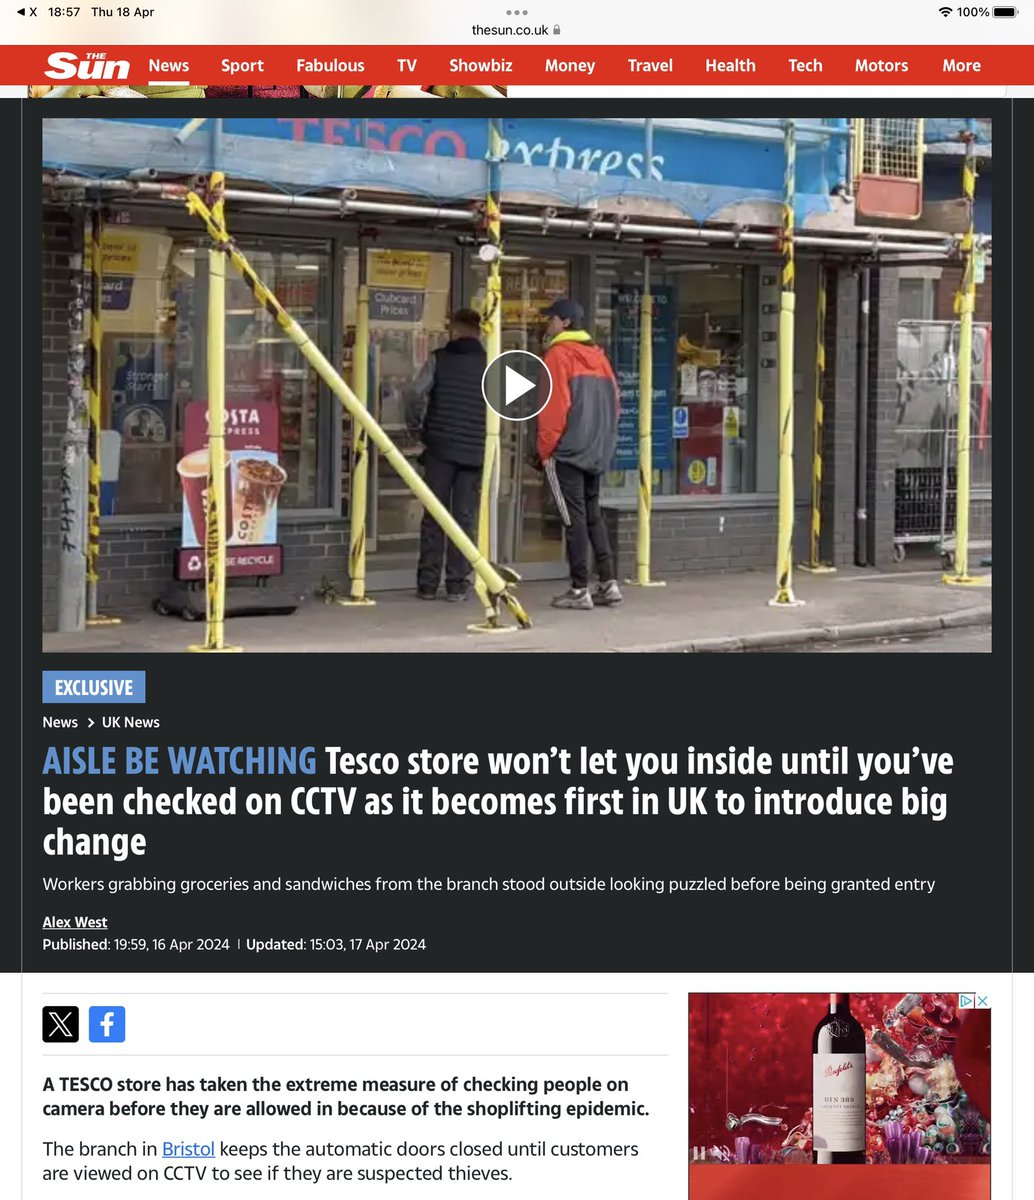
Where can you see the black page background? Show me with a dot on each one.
(648, 702)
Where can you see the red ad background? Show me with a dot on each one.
(751, 1049)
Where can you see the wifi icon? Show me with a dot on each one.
(946, 11)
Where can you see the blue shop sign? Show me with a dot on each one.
(396, 304)
(603, 147)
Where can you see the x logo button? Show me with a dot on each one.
(61, 1024)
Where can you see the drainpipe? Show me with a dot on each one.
(71, 583)
(861, 461)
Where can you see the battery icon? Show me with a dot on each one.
(1003, 12)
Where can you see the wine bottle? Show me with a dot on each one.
(838, 1085)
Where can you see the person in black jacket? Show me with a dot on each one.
(446, 406)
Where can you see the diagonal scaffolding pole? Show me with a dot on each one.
(492, 331)
(497, 580)
(784, 597)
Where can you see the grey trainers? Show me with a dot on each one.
(577, 598)
(606, 595)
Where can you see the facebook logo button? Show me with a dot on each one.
(107, 1023)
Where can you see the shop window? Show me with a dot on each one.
(702, 376)
(262, 363)
(410, 309)
(154, 362)
(916, 299)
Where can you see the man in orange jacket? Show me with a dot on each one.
(577, 431)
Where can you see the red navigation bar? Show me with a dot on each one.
(539, 66)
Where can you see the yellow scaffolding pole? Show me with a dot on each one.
(965, 302)
(497, 580)
(492, 331)
(645, 495)
(217, 504)
(815, 564)
(784, 597)
(360, 458)
(93, 479)
(642, 558)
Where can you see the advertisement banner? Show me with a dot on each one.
(399, 268)
(120, 261)
(254, 477)
(141, 390)
(625, 356)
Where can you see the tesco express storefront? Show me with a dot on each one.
(715, 373)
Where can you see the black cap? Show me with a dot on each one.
(566, 310)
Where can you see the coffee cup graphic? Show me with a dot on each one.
(193, 473)
(257, 484)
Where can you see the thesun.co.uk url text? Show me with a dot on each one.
(509, 30)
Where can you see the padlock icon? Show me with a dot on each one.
(556, 30)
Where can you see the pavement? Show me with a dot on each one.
(972, 639)
(699, 613)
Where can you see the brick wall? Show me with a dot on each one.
(136, 563)
(734, 538)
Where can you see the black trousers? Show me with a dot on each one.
(581, 495)
(458, 487)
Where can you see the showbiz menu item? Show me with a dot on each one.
(838, 1085)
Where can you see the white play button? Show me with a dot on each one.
(514, 391)
(516, 386)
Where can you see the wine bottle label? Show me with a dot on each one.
(838, 1102)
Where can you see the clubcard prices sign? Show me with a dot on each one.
(254, 478)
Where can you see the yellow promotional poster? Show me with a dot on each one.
(517, 313)
(120, 252)
(399, 268)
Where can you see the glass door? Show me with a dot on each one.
(410, 308)
(530, 530)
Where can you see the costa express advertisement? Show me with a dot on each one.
(254, 478)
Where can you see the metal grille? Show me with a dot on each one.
(891, 147)
(924, 478)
